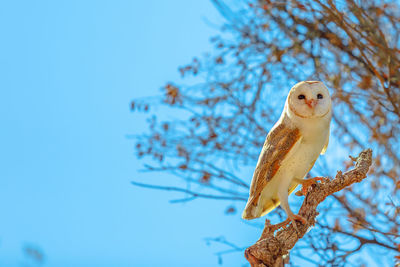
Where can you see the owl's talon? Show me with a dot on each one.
(306, 183)
(292, 219)
(297, 218)
(299, 193)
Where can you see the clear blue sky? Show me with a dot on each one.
(69, 70)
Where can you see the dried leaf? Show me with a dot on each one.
(183, 166)
(365, 83)
(206, 177)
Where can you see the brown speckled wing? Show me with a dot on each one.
(276, 146)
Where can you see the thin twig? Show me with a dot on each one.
(194, 194)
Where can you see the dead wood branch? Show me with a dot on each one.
(271, 248)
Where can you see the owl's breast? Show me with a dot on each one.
(301, 161)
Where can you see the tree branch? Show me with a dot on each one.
(271, 248)
(189, 192)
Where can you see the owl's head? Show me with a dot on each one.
(309, 99)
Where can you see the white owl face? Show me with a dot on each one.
(309, 99)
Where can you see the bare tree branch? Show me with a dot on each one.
(189, 192)
(270, 249)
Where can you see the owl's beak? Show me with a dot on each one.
(311, 103)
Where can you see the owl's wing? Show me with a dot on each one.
(280, 143)
(326, 145)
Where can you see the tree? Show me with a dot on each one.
(264, 48)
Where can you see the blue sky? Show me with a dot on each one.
(69, 71)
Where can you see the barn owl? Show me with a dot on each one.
(290, 150)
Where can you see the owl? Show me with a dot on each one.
(290, 150)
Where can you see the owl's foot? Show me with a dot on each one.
(292, 218)
(295, 218)
(306, 183)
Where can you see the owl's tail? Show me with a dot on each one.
(254, 209)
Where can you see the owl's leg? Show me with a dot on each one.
(283, 197)
(306, 183)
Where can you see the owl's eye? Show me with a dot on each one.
(301, 97)
(320, 96)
